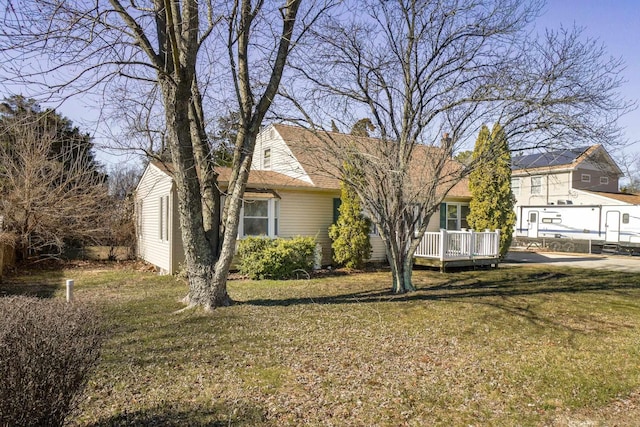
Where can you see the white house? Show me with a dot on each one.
(573, 194)
(580, 176)
(286, 196)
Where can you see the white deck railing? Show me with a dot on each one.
(448, 245)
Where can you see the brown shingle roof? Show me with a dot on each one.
(315, 155)
(257, 178)
(633, 199)
(318, 161)
(264, 179)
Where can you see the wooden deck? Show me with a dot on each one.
(446, 249)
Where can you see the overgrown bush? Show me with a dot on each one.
(264, 258)
(47, 350)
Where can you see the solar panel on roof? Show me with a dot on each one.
(549, 158)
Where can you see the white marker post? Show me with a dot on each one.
(69, 290)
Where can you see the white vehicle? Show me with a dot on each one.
(607, 223)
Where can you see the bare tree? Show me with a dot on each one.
(172, 52)
(421, 69)
(49, 196)
(121, 233)
(630, 165)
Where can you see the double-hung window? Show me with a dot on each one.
(456, 216)
(163, 226)
(266, 159)
(515, 186)
(536, 185)
(259, 218)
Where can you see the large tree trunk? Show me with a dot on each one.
(233, 203)
(199, 253)
(400, 256)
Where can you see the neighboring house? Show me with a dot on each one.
(286, 196)
(579, 176)
(573, 194)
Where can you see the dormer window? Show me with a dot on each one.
(266, 159)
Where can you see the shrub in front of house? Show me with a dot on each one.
(48, 348)
(264, 258)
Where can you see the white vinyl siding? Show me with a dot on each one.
(281, 160)
(307, 214)
(154, 201)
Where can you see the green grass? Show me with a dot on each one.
(512, 346)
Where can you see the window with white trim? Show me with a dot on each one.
(515, 186)
(536, 185)
(457, 216)
(259, 217)
(166, 218)
(163, 220)
(604, 180)
(266, 159)
(585, 177)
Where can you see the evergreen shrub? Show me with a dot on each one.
(265, 258)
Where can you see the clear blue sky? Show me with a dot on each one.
(616, 23)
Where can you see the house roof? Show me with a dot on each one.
(549, 159)
(633, 199)
(314, 154)
(257, 178)
(563, 159)
(263, 179)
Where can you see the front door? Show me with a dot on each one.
(533, 224)
(612, 227)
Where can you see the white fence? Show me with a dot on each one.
(451, 245)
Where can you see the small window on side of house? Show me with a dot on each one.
(604, 180)
(515, 186)
(161, 217)
(166, 218)
(536, 185)
(625, 218)
(585, 177)
(266, 159)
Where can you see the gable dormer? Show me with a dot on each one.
(273, 153)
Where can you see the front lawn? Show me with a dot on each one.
(512, 346)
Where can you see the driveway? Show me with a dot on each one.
(603, 262)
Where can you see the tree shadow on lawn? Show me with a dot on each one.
(221, 414)
(467, 288)
(490, 292)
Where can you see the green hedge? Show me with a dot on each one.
(264, 258)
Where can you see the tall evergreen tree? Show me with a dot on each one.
(490, 184)
(350, 234)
